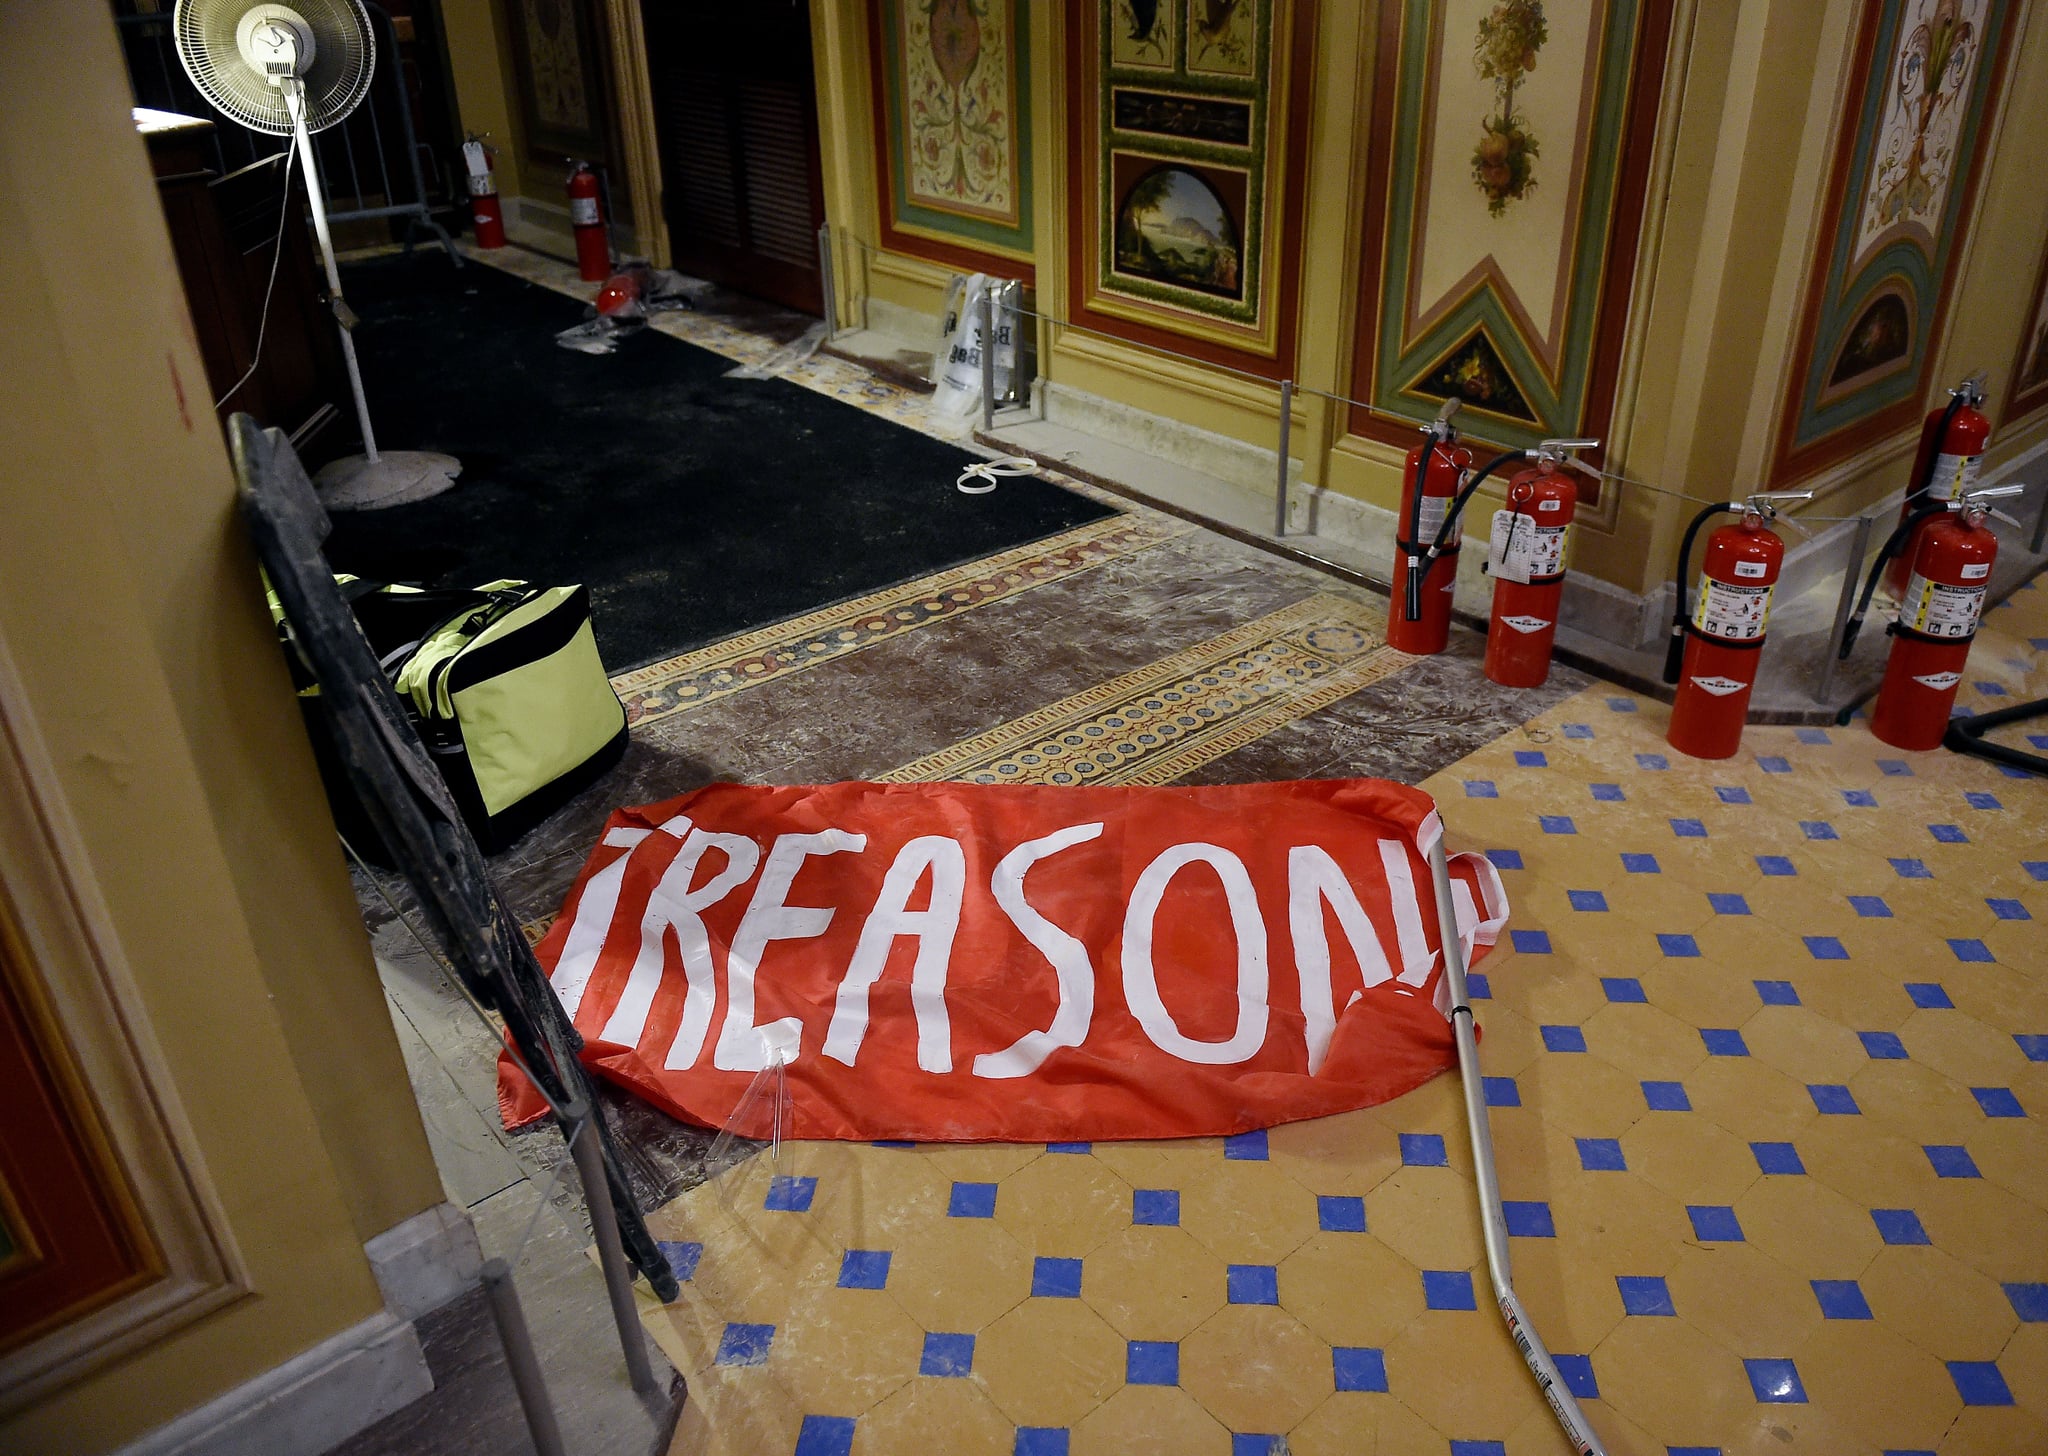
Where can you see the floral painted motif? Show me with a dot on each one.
(1221, 36)
(1504, 51)
(1930, 79)
(960, 147)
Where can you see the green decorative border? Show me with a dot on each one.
(1398, 371)
(1843, 299)
(1251, 159)
(913, 216)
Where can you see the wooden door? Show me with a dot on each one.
(736, 112)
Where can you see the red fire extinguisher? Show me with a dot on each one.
(1426, 569)
(1713, 655)
(1525, 558)
(1953, 553)
(1952, 441)
(586, 216)
(486, 213)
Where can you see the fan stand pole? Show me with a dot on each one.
(295, 102)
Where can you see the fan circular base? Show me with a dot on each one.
(397, 478)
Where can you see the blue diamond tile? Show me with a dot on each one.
(1772, 763)
(1601, 1155)
(1340, 1213)
(1502, 1092)
(1732, 794)
(1778, 1159)
(1625, 705)
(1726, 903)
(827, 1436)
(1825, 948)
(1623, 989)
(1644, 1294)
(1817, 829)
(1155, 1206)
(893, 1143)
(1677, 945)
(1775, 866)
(947, 1354)
(1505, 859)
(1578, 730)
(1530, 942)
(1252, 1284)
(1055, 1278)
(1998, 1102)
(1477, 986)
(1152, 1362)
(1990, 689)
(1775, 1382)
(2029, 1302)
(1563, 1039)
(1982, 801)
(1481, 789)
(1479, 1448)
(1899, 1226)
(1577, 1371)
(1246, 1147)
(1556, 824)
(1948, 834)
(745, 1344)
(864, 1269)
(1970, 950)
(1833, 1099)
(1531, 758)
(1776, 993)
(1870, 907)
(682, 1258)
(1448, 1289)
(1609, 793)
(1859, 798)
(2035, 868)
(1911, 869)
(1951, 1160)
(1640, 864)
(1724, 1043)
(2008, 909)
(1529, 1220)
(972, 1200)
(1895, 768)
(1666, 1097)
(1042, 1441)
(2033, 1045)
(1424, 1150)
(1586, 899)
(1882, 1046)
(1654, 762)
(1244, 1444)
(790, 1195)
(1979, 1382)
(1812, 735)
(1929, 995)
(1689, 828)
(1069, 1147)
(1714, 1223)
(1841, 1299)
(1359, 1367)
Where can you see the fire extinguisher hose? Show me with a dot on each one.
(1450, 525)
(1411, 596)
(1675, 652)
(1893, 545)
(1956, 400)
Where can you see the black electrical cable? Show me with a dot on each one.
(1893, 544)
(1458, 502)
(1675, 652)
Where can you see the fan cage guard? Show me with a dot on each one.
(344, 59)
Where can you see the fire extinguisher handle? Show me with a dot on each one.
(1674, 652)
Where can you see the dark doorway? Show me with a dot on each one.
(737, 113)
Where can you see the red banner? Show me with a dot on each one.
(963, 962)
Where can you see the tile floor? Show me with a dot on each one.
(1766, 1055)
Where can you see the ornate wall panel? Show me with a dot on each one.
(1923, 80)
(1184, 179)
(953, 132)
(1510, 141)
(2028, 390)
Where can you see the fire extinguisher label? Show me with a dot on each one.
(1732, 613)
(583, 212)
(1434, 509)
(1954, 475)
(1935, 609)
(481, 185)
(1521, 550)
(1941, 682)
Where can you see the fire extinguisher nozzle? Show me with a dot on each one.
(1411, 596)
(1674, 655)
(1849, 631)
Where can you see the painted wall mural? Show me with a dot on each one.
(2028, 389)
(1924, 77)
(558, 49)
(954, 132)
(1179, 165)
(1508, 139)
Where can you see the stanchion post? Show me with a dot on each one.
(2040, 524)
(1286, 430)
(604, 1225)
(827, 286)
(520, 1359)
(988, 358)
(1851, 571)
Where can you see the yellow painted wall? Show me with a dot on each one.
(128, 602)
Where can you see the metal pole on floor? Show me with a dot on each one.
(988, 358)
(604, 1224)
(1493, 1218)
(827, 285)
(1851, 571)
(2040, 525)
(520, 1359)
(1286, 429)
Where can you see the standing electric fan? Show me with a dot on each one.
(293, 70)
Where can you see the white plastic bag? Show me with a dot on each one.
(959, 374)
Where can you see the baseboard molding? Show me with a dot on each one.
(426, 1261)
(310, 1403)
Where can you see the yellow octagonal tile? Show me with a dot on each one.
(1351, 1422)
(1582, 1095)
(1962, 1047)
(1462, 1373)
(1348, 1153)
(1996, 1232)
(1803, 1044)
(1742, 1297)
(959, 1274)
(1916, 1101)
(1692, 1158)
(1064, 1204)
(1672, 1380)
(1644, 1042)
(1568, 1290)
(1866, 1162)
(1938, 1302)
(934, 1413)
(1350, 1289)
(1150, 1420)
(1887, 1390)
(838, 1351)
(1756, 1102)
(2013, 1153)
(1049, 1362)
(1995, 1431)
(1247, 1212)
(1256, 1368)
(1809, 1228)
(1153, 1283)
(1429, 1216)
(1625, 1221)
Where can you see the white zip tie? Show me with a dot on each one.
(988, 472)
